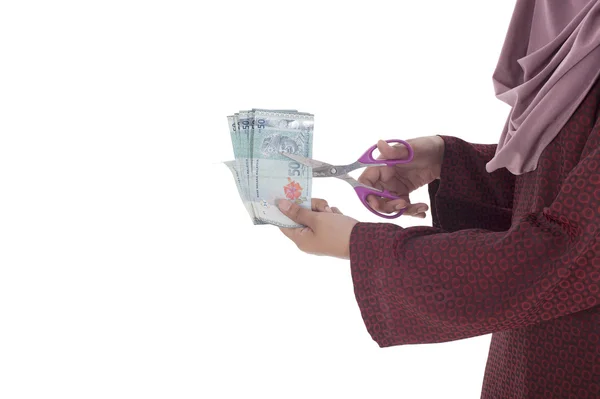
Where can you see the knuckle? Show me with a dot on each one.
(294, 209)
(301, 213)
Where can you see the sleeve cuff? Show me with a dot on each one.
(466, 196)
(371, 246)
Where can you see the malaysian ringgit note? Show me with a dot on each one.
(262, 175)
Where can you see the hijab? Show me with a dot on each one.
(549, 61)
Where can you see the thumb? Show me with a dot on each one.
(389, 152)
(298, 214)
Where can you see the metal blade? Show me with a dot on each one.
(306, 161)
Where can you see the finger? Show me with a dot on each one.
(386, 205)
(374, 202)
(370, 176)
(320, 205)
(387, 151)
(390, 206)
(300, 236)
(415, 209)
(336, 210)
(295, 233)
(297, 213)
(377, 203)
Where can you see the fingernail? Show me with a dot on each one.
(284, 205)
(400, 206)
(327, 209)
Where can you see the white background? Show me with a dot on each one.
(128, 265)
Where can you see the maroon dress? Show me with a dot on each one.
(515, 256)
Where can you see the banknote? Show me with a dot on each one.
(275, 180)
(234, 168)
(275, 132)
(239, 167)
(262, 174)
(281, 131)
(245, 131)
(234, 136)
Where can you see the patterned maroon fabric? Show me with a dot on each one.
(518, 257)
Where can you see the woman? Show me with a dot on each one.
(514, 248)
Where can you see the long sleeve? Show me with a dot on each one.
(442, 283)
(464, 197)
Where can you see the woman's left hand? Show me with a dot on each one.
(327, 231)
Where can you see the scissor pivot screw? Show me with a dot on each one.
(333, 170)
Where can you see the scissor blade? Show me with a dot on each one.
(305, 161)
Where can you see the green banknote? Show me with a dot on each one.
(261, 173)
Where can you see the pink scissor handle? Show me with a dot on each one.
(364, 192)
(367, 157)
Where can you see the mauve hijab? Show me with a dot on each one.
(549, 61)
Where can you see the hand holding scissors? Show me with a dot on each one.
(323, 169)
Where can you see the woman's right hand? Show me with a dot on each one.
(403, 179)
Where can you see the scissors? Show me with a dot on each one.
(323, 169)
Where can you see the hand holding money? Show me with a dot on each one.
(325, 234)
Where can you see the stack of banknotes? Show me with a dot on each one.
(263, 175)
